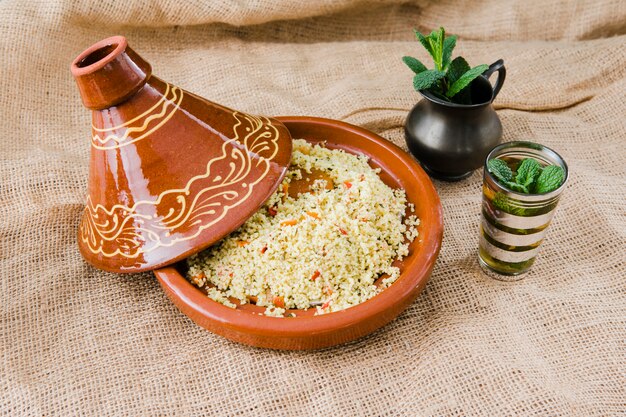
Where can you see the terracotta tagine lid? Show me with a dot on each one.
(170, 172)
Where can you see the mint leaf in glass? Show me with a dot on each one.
(502, 202)
(550, 179)
(500, 170)
(528, 172)
(520, 188)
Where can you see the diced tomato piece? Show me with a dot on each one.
(263, 249)
(279, 301)
(343, 231)
(316, 274)
(348, 184)
(272, 211)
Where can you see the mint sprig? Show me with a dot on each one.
(530, 178)
(450, 78)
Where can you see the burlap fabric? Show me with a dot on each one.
(78, 341)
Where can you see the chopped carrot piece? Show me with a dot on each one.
(290, 222)
(242, 243)
(342, 230)
(279, 301)
(263, 249)
(348, 184)
(313, 214)
(328, 290)
(316, 274)
(285, 189)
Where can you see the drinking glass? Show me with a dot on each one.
(513, 224)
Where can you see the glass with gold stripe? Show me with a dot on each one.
(513, 225)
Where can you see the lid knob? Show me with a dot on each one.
(109, 72)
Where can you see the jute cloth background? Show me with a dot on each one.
(78, 341)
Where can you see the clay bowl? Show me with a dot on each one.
(248, 325)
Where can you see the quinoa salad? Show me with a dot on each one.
(324, 248)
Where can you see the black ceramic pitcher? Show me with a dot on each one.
(451, 140)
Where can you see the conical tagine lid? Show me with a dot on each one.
(170, 172)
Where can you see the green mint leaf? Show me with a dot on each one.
(413, 63)
(425, 43)
(448, 45)
(427, 79)
(500, 170)
(458, 67)
(441, 36)
(466, 79)
(435, 40)
(502, 202)
(550, 179)
(517, 187)
(528, 172)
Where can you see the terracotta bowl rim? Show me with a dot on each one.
(415, 272)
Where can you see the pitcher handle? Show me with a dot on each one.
(496, 66)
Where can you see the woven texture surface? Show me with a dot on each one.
(78, 341)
